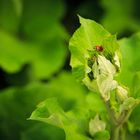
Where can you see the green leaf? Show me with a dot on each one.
(115, 8)
(66, 95)
(129, 104)
(134, 123)
(83, 49)
(102, 134)
(44, 60)
(85, 38)
(130, 77)
(49, 112)
(130, 48)
(56, 116)
(9, 15)
(47, 59)
(111, 46)
(135, 136)
(13, 53)
(18, 7)
(45, 50)
(16, 105)
(73, 118)
(136, 85)
(38, 16)
(39, 130)
(93, 100)
(75, 121)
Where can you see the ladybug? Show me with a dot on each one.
(99, 48)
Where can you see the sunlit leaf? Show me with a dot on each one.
(84, 41)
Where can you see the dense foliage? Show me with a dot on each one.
(95, 62)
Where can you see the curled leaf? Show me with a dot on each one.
(105, 80)
(129, 104)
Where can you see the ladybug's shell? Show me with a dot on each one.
(99, 48)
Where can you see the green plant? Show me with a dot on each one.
(105, 112)
(32, 38)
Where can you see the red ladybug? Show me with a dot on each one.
(99, 48)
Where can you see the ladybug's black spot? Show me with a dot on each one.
(90, 75)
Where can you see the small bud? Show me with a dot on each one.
(122, 93)
(96, 125)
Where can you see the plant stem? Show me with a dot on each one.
(123, 132)
(117, 124)
(118, 133)
(115, 133)
(117, 128)
(110, 113)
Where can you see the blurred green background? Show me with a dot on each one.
(34, 57)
